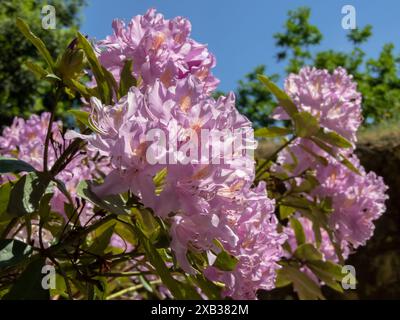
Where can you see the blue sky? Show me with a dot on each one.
(239, 32)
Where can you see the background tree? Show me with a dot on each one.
(378, 79)
(20, 94)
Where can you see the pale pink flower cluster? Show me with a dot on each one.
(160, 49)
(200, 202)
(357, 199)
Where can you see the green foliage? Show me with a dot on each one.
(29, 284)
(377, 79)
(298, 36)
(13, 252)
(20, 93)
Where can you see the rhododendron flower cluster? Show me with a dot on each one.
(160, 49)
(357, 197)
(202, 202)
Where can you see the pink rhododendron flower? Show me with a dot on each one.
(161, 49)
(357, 200)
(332, 98)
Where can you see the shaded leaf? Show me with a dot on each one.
(13, 252)
(29, 284)
(26, 194)
(14, 165)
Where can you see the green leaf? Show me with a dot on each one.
(83, 117)
(178, 290)
(27, 192)
(37, 42)
(52, 76)
(340, 157)
(81, 88)
(307, 252)
(124, 230)
(148, 224)
(286, 211)
(305, 287)
(112, 203)
(127, 80)
(14, 165)
(5, 190)
(102, 239)
(282, 278)
(97, 69)
(346, 162)
(29, 284)
(306, 125)
(333, 138)
(298, 231)
(284, 100)
(45, 207)
(328, 272)
(297, 201)
(225, 261)
(12, 252)
(210, 289)
(36, 69)
(112, 83)
(272, 132)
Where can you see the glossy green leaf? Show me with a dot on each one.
(102, 239)
(286, 211)
(282, 278)
(5, 191)
(347, 163)
(328, 272)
